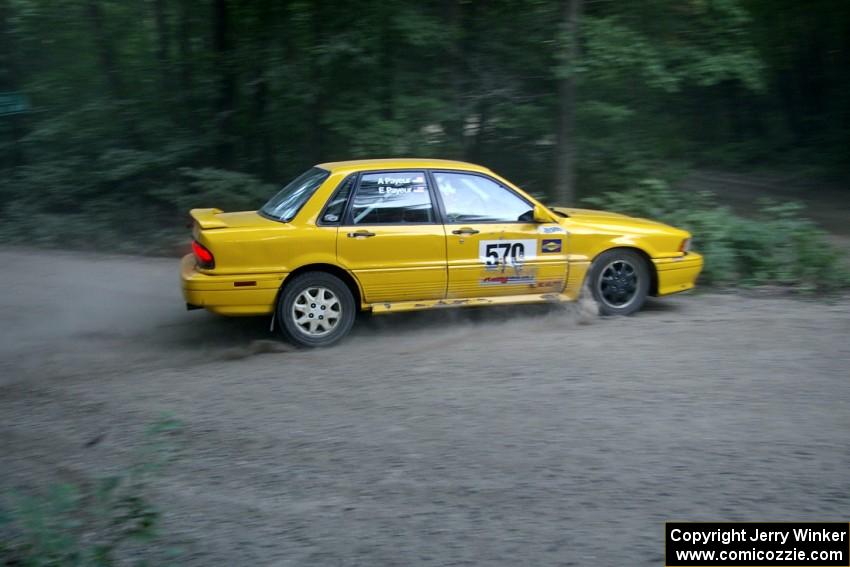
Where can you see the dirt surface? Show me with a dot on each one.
(494, 437)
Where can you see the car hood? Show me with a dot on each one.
(591, 215)
(609, 220)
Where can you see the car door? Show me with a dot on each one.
(392, 239)
(493, 245)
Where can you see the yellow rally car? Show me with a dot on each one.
(394, 235)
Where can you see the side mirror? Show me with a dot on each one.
(541, 215)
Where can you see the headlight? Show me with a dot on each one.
(685, 246)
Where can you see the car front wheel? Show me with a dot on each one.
(619, 280)
(315, 309)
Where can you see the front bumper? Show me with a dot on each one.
(678, 274)
(253, 294)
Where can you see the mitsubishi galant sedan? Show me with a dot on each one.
(393, 235)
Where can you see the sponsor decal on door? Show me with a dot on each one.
(550, 245)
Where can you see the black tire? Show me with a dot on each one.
(619, 281)
(310, 322)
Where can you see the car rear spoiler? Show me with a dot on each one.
(206, 218)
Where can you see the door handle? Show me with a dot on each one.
(361, 233)
(465, 230)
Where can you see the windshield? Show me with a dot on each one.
(286, 204)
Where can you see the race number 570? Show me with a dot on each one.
(506, 252)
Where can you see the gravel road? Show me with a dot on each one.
(490, 437)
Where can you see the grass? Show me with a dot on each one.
(108, 521)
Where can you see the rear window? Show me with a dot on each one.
(286, 204)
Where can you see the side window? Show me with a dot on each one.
(473, 198)
(392, 197)
(336, 206)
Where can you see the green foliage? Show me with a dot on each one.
(703, 43)
(90, 525)
(142, 110)
(227, 190)
(777, 247)
(122, 201)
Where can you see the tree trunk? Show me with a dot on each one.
(184, 46)
(188, 109)
(457, 52)
(106, 58)
(317, 104)
(564, 191)
(225, 100)
(261, 90)
(474, 149)
(387, 63)
(9, 81)
(162, 46)
(105, 53)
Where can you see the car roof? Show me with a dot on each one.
(399, 163)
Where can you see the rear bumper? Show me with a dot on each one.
(678, 274)
(253, 294)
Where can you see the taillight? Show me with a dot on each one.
(204, 257)
(685, 246)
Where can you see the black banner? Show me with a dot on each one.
(768, 544)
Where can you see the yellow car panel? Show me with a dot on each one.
(395, 263)
(490, 251)
(229, 295)
(593, 232)
(521, 299)
(390, 237)
(677, 274)
(492, 260)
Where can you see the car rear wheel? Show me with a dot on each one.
(315, 309)
(619, 280)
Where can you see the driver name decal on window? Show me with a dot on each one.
(401, 185)
(392, 198)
